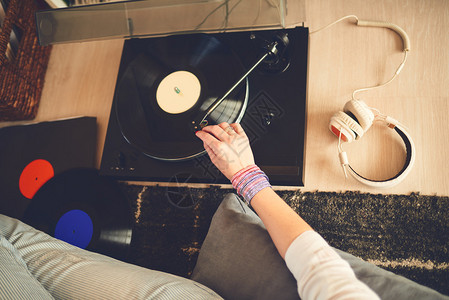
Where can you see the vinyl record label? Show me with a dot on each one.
(178, 92)
(75, 227)
(33, 177)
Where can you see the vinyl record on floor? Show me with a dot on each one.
(83, 209)
(31, 154)
(170, 82)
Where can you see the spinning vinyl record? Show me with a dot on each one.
(85, 210)
(168, 83)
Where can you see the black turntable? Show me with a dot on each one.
(166, 84)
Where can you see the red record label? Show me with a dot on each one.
(34, 176)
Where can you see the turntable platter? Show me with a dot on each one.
(167, 83)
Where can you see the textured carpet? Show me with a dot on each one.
(405, 234)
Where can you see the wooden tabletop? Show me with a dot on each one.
(81, 78)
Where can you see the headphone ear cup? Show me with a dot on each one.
(342, 123)
(361, 112)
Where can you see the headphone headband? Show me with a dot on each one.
(409, 161)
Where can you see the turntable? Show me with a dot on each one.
(166, 84)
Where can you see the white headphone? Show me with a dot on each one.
(351, 123)
(356, 118)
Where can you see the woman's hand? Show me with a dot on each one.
(228, 147)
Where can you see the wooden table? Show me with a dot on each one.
(81, 79)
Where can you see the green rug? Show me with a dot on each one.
(405, 234)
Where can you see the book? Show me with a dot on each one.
(69, 3)
(16, 33)
(56, 3)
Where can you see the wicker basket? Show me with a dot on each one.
(22, 79)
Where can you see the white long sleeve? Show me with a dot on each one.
(321, 273)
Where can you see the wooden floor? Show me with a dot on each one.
(81, 78)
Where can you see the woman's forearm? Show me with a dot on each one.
(320, 272)
(283, 224)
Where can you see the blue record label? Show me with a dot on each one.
(75, 227)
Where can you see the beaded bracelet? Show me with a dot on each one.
(249, 181)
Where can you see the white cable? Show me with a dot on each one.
(393, 27)
(398, 70)
(333, 23)
(342, 155)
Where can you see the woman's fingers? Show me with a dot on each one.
(227, 128)
(219, 133)
(238, 128)
(227, 146)
(209, 150)
(208, 139)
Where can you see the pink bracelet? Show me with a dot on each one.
(249, 181)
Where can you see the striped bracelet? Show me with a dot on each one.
(249, 181)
